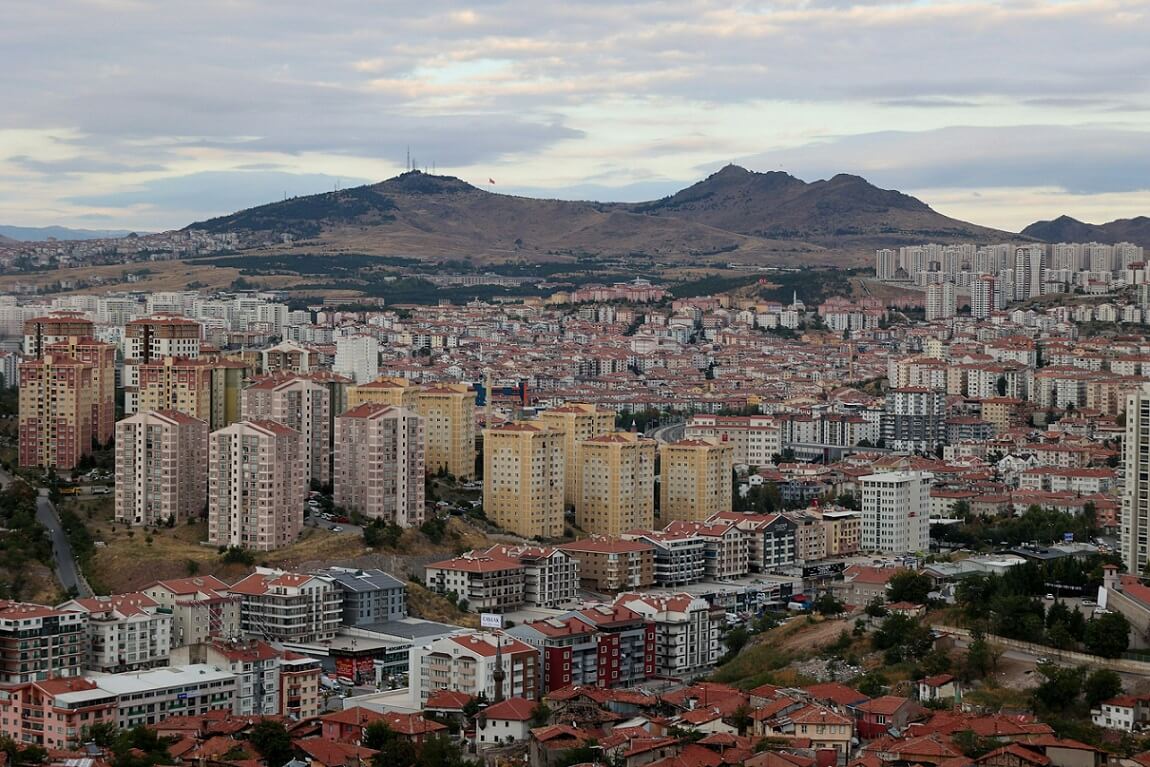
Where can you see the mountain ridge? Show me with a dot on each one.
(1068, 229)
(42, 233)
(733, 211)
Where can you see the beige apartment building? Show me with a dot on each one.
(301, 404)
(523, 477)
(161, 468)
(152, 338)
(449, 425)
(385, 390)
(102, 358)
(616, 478)
(379, 469)
(56, 396)
(577, 422)
(257, 485)
(610, 564)
(40, 332)
(694, 479)
(208, 389)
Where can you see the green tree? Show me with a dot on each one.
(1107, 635)
(438, 751)
(872, 684)
(909, 586)
(540, 715)
(1060, 686)
(827, 604)
(1102, 684)
(876, 608)
(902, 638)
(270, 738)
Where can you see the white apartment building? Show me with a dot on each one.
(257, 485)
(288, 607)
(550, 575)
(941, 301)
(263, 676)
(753, 439)
(146, 697)
(201, 608)
(357, 357)
(379, 463)
(686, 635)
(466, 663)
(125, 632)
(896, 512)
(161, 468)
(983, 296)
(1135, 524)
(301, 404)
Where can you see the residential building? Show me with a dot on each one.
(288, 607)
(161, 468)
(40, 332)
(577, 422)
(550, 575)
(523, 479)
(468, 662)
(810, 537)
(611, 565)
(38, 642)
(686, 630)
(147, 697)
(694, 480)
(55, 713)
(448, 411)
(208, 389)
(125, 632)
(300, 696)
(508, 721)
(615, 475)
(1123, 712)
(626, 644)
(941, 301)
(152, 339)
(102, 359)
(680, 558)
(201, 607)
(569, 649)
(726, 548)
(984, 296)
(369, 596)
(1134, 530)
(896, 512)
(753, 439)
(269, 681)
(843, 529)
(379, 463)
(915, 419)
(55, 411)
(257, 485)
(385, 390)
(289, 357)
(489, 583)
(357, 358)
(771, 543)
(300, 404)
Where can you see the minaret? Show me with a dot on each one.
(497, 675)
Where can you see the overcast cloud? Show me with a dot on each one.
(150, 114)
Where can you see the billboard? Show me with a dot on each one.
(824, 570)
(491, 620)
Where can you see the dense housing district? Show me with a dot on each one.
(670, 531)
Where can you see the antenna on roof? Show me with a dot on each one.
(407, 167)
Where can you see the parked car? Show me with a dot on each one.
(337, 529)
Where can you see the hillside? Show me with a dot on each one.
(41, 233)
(734, 215)
(833, 213)
(1067, 229)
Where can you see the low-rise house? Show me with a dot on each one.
(1124, 712)
(884, 715)
(508, 721)
(941, 687)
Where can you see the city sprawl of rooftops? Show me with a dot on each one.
(663, 464)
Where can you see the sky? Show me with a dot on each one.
(151, 114)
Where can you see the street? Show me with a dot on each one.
(66, 571)
(669, 433)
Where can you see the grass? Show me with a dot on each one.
(426, 604)
(765, 659)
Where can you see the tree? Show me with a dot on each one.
(827, 604)
(908, 586)
(376, 734)
(1102, 684)
(1107, 635)
(735, 640)
(103, 734)
(540, 715)
(876, 608)
(979, 659)
(437, 751)
(741, 719)
(1060, 686)
(902, 637)
(271, 739)
(871, 684)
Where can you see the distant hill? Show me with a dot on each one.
(1067, 229)
(40, 233)
(732, 215)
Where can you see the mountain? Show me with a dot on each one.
(1067, 229)
(733, 215)
(40, 233)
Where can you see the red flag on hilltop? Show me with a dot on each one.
(490, 181)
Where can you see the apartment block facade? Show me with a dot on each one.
(161, 468)
(577, 422)
(489, 583)
(615, 477)
(613, 564)
(695, 479)
(523, 479)
(896, 512)
(126, 632)
(38, 642)
(257, 485)
(55, 412)
(288, 607)
(448, 411)
(300, 404)
(379, 463)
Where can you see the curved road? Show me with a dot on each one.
(66, 571)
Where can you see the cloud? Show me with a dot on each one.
(1079, 160)
(78, 165)
(217, 192)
